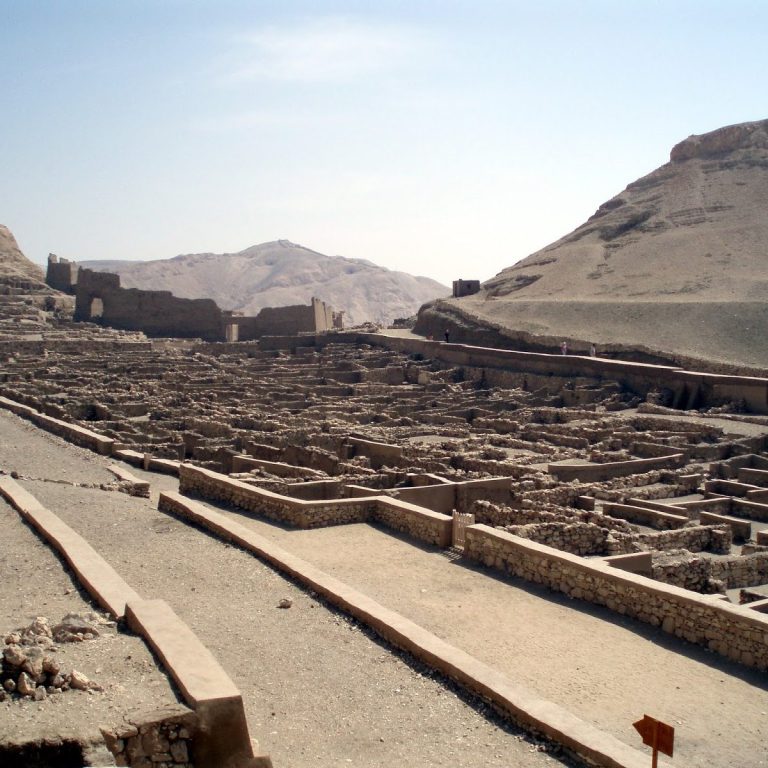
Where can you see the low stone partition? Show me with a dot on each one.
(753, 476)
(742, 529)
(696, 538)
(380, 454)
(727, 629)
(448, 495)
(729, 487)
(752, 510)
(414, 521)
(643, 516)
(593, 473)
(422, 524)
(242, 463)
(634, 562)
(134, 486)
(85, 438)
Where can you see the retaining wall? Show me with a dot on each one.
(726, 629)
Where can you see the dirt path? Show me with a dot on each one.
(318, 691)
(607, 669)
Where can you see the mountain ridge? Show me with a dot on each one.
(676, 263)
(280, 273)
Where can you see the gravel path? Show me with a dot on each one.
(318, 690)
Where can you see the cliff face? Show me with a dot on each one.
(279, 274)
(676, 264)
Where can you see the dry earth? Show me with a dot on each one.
(318, 689)
(675, 263)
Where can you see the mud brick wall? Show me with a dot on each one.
(723, 628)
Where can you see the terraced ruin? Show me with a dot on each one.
(578, 484)
(372, 548)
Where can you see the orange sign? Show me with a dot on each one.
(657, 735)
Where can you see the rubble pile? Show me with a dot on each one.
(29, 665)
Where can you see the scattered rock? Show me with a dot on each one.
(78, 681)
(24, 685)
(286, 602)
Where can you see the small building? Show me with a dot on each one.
(465, 288)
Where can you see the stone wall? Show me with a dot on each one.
(71, 432)
(576, 538)
(699, 538)
(593, 473)
(421, 524)
(156, 313)
(710, 575)
(732, 631)
(158, 739)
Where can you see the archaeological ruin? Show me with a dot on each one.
(628, 493)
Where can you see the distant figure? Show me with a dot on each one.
(592, 351)
(564, 348)
(447, 335)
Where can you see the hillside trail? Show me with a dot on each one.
(604, 668)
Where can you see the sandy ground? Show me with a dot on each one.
(318, 690)
(34, 582)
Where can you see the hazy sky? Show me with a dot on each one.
(447, 139)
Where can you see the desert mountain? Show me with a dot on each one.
(18, 275)
(278, 274)
(676, 264)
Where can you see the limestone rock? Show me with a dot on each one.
(78, 681)
(25, 686)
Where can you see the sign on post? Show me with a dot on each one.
(659, 736)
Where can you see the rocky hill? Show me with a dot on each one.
(673, 268)
(282, 273)
(18, 275)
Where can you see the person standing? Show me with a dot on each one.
(564, 348)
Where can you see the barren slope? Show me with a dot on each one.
(676, 263)
(279, 274)
(18, 275)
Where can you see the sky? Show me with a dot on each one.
(447, 138)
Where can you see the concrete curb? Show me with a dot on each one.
(524, 707)
(94, 572)
(222, 740)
